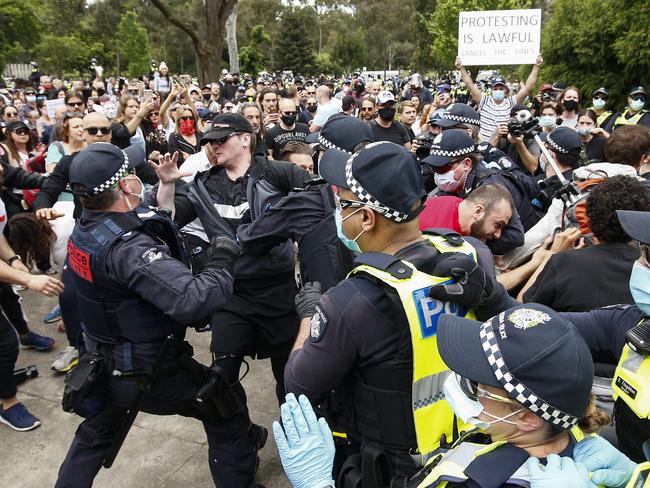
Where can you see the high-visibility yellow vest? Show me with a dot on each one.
(621, 120)
(431, 413)
(450, 467)
(631, 381)
(641, 477)
(602, 117)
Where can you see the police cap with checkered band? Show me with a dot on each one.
(342, 132)
(384, 175)
(538, 357)
(449, 145)
(458, 113)
(564, 140)
(100, 165)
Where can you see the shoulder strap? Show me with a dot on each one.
(451, 236)
(384, 262)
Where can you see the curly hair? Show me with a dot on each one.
(616, 193)
(29, 237)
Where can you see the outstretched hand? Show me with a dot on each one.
(167, 169)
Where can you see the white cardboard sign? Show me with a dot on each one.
(495, 37)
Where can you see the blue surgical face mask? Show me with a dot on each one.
(637, 105)
(351, 244)
(598, 103)
(468, 410)
(547, 121)
(499, 95)
(640, 286)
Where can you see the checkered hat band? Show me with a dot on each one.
(555, 145)
(112, 181)
(329, 145)
(516, 389)
(366, 197)
(458, 152)
(458, 118)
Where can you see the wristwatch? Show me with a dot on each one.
(13, 258)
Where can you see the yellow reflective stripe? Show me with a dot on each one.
(631, 382)
(621, 120)
(342, 435)
(636, 481)
(602, 117)
(633, 361)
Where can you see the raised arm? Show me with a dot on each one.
(530, 82)
(476, 92)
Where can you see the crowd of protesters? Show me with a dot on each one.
(533, 174)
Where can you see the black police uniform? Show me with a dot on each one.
(604, 331)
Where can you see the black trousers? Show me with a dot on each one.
(12, 309)
(231, 445)
(8, 356)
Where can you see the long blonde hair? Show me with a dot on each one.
(124, 101)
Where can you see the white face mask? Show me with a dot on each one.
(447, 182)
(468, 410)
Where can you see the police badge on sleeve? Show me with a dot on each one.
(318, 324)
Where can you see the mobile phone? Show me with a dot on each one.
(148, 94)
(638, 337)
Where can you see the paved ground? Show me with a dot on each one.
(160, 452)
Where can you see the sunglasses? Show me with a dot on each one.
(228, 107)
(12, 114)
(223, 140)
(94, 130)
(288, 113)
(312, 105)
(311, 93)
(75, 104)
(155, 114)
(367, 109)
(186, 117)
(342, 203)
(473, 391)
(600, 97)
(21, 132)
(638, 97)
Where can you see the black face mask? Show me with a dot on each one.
(570, 105)
(387, 113)
(206, 96)
(288, 119)
(312, 108)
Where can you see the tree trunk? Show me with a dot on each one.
(209, 65)
(231, 38)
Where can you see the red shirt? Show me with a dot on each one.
(441, 213)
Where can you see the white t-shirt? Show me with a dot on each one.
(493, 114)
(324, 112)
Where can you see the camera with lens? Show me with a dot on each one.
(547, 97)
(524, 128)
(423, 143)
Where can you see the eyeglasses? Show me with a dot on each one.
(186, 117)
(311, 93)
(93, 130)
(473, 391)
(312, 105)
(638, 97)
(75, 104)
(228, 107)
(289, 113)
(155, 114)
(223, 140)
(21, 132)
(11, 114)
(367, 109)
(342, 204)
(599, 97)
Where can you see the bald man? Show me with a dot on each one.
(327, 106)
(97, 128)
(288, 130)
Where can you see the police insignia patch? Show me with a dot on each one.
(152, 254)
(526, 318)
(318, 325)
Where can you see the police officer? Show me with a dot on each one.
(598, 104)
(375, 331)
(457, 170)
(634, 113)
(306, 216)
(135, 290)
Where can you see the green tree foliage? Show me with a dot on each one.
(20, 30)
(135, 52)
(252, 54)
(293, 52)
(595, 43)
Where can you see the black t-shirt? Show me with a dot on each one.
(277, 137)
(580, 280)
(396, 133)
(596, 148)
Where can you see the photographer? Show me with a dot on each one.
(515, 138)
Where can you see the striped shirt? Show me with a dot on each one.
(492, 115)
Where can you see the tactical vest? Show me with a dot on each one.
(323, 257)
(109, 312)
(622, 120)
(631, 381)
(434, 420)
(450, 467)
(603, 117)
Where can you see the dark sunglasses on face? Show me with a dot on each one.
(93, 130)
(600, 97)
(289, 113)
(154, 114)
(638, 97)
(21, 132)
(75, 104)
(11, 114)
(186, 117)
(367, 109)
(312, 105)
(223, 140)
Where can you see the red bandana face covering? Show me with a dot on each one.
(187, 127)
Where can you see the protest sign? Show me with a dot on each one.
(52, 105)
(495, 37)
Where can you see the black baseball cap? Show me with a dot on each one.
(635, 224)
(602, 90)
(226, 124)
(383, 174)
(538, 357)
(458, 113)
(449, 145)
(639, 90)
(100, 165)
(15, 125)
(342, 132)
(564, 140)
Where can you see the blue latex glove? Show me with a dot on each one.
(607, 465)
(306, 445)
(558, 473)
